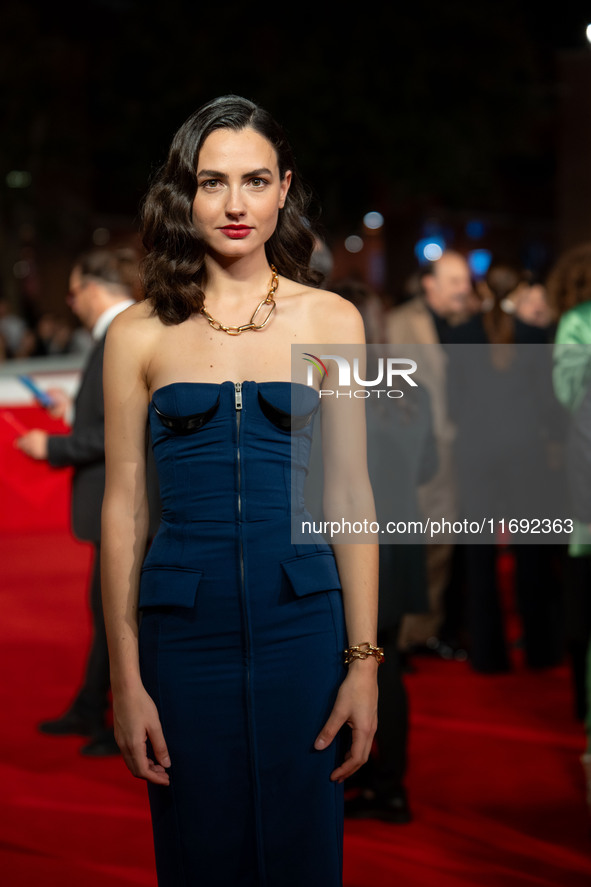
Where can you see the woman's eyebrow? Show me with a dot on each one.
(216, 174)
(258, 172)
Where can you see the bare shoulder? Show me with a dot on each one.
(327, 316)
(136, 314)
(136, 324)
(133, 338)
(337, 319)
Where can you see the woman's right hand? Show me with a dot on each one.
(136, 720)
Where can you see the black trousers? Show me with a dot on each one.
(539, 600)
(92, 699)
(577, 602)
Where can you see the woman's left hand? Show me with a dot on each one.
(356, 705)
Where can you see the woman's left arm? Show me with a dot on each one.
(348, 497)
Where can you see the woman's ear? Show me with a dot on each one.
(284, 188)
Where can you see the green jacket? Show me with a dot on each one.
(571, 376)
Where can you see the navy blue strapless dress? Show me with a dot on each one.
(241, 642)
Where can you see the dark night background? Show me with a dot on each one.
(432, 113)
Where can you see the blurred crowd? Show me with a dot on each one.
(49, 335)
(455, 595)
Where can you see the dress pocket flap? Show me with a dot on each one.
(168, 587)
(309, 573)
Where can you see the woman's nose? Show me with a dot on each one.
(235, 201)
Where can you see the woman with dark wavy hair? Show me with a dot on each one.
(230, 696)
(174, 269)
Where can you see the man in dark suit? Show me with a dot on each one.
(426, 320)
(102, 284)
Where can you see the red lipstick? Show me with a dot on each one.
(236, 232)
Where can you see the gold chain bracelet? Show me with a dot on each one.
(363, 651)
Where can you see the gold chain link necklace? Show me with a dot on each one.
(251, 325)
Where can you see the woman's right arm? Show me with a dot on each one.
(124, 538)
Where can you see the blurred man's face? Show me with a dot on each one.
(447, 290)
(80, 298)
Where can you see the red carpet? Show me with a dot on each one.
(495, 780)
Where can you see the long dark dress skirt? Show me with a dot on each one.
(241, 642)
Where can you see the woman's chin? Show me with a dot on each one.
(233, 250)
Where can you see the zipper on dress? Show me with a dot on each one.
(238, 404)
(246, 616)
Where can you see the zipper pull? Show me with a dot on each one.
(238, 395)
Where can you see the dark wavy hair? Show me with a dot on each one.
(569, 280)
(174, 268)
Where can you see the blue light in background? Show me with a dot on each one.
(429, 249)
(479, 261)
